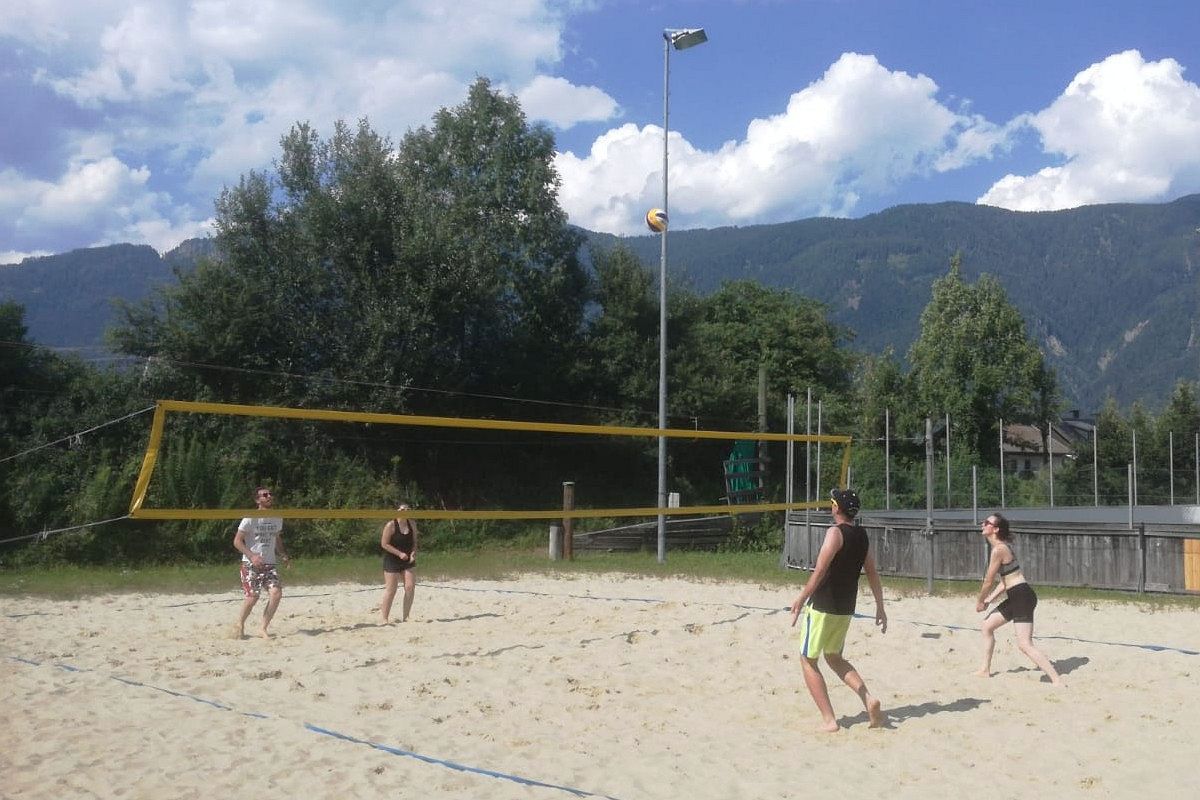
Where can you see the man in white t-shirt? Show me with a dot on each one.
(258, 539)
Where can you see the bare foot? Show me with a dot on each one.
(875, 712)
(264, 633)
(828, 727)
(982, 673)
(237, 632)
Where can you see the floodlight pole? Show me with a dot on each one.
(680, 40)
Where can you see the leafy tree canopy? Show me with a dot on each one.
(442, 263)
(974, 360)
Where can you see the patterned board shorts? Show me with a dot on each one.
(254, 580)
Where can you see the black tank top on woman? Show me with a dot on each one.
(838, 593)
(402, 540)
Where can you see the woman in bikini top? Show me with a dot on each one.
(1005, 576)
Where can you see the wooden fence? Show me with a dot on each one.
(1151, 557)
(699, 533)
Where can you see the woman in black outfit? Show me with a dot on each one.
(1004, 571)
(398, 538)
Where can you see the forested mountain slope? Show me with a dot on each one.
(1111, 292)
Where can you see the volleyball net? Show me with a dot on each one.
(138, 508)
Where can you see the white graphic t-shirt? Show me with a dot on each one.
(259, 535)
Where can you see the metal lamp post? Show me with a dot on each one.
(680, 39)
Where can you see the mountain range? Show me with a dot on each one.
(1111, 292)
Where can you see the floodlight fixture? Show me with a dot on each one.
(683, 38)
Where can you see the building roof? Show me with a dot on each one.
(1021, 439)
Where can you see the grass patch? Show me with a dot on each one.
(501, 563)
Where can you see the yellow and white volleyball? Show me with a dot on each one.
(656, 219)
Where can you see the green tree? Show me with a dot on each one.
(744, 326)
(1175, 432)
(881, 387)
(622, 336)
(498, 263)
(366, 268)
(974, 361)
(1114, 454)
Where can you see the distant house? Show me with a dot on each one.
(1076, 428)
(1023, 453)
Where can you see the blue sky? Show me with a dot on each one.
(123, 120)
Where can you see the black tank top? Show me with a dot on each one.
(401, 539)
(838, 593)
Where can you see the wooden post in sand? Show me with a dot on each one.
(568, 548)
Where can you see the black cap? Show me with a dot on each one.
(847, 501)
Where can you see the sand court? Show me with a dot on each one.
(602, 686)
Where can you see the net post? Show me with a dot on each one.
(568, 548)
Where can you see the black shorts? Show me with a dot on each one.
(392, 563)
(1019, 605)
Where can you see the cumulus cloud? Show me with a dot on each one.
(194, 94)
(98, 200)
(859, 130)
(157, 106)
(140, 60)
(562, 104)
(1128, 132)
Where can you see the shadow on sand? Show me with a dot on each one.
(899, 715)
(1065, 666)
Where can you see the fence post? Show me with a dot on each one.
(789, 495)
(1002, 462)
(1129, 491)
(1171, 463)
(887, 461)
(929, 499)
(949, 502)
(1141, 557)
(974, 494)
(808, 494)
(1050, 447)
(1133, 473)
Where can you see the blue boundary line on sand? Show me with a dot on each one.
(396, 751)
(1154, 648)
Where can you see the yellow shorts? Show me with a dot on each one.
(822, 633)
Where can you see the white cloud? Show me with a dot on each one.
(562, 104)
(1129, 131)
(98, 200)
(191, 94)
(858, 131)
(141, 59)
(9, 258)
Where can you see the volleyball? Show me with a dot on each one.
(656, 219)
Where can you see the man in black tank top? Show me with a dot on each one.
(828, 601)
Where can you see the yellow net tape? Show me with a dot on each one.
(137, 511)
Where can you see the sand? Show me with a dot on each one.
(589, 686)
